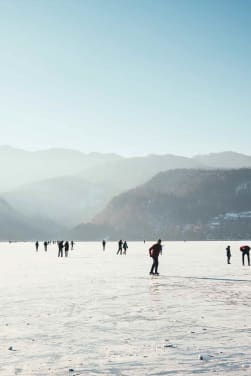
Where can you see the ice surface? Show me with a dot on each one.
(96, 313)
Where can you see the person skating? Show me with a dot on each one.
(228, 254)
(60, 248)
(120, 243)
(154, 251)
(103, 244)
(72, 245)
(245, 249)
(66, 248)
(37, 245)
(125, 246)
(45, 246)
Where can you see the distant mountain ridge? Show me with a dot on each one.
(24, 167)
(178, 205)
(129, 172)
(15, 226)
(226, 160)
(60, 188)
(19, 167)
(66, 200)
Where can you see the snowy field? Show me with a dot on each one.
(95, 313)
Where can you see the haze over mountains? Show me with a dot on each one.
(15, 226)
(65, 200)
(226, 159)
(58, 189)
(20, 167)
(179, 204)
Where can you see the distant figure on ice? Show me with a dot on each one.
(120, 247)
(103, 244)
(66, 248)
(228, 254)
(60, 248)
(245, 249)
(154, 251)
(36, 245)
(45, 246)
(72, 245)
(125, 246)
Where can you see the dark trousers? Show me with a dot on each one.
(119, 251)
(243, 258)
(154, 268)
(228, 259)
(60, 253)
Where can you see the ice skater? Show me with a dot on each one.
(245, 249)
(103, 244)
(228, 254)
(120, 244)
(154, 251)
(37, 245)
(45, 246)
(66, 248)
(72, 245)
(60, 248)
(125, 246)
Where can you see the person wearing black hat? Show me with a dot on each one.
(154, 251)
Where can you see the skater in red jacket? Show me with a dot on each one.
(154, 252)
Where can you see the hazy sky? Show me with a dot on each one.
(126, 76)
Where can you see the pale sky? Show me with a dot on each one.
(127, 76)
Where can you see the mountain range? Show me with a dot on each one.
(177, 205)
(15, 226)
(58, 189)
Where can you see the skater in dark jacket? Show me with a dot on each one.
(125, 246)
(245, 249)
(154, 252)
(60, 248)
(120, 243)
(228, 254)
(66, 248)
(103, 244)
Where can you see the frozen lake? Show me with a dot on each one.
(96, 313)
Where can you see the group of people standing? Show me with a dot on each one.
(154, 251)
(63, 246)
(46, 243)
(245, 249)
(122, 247)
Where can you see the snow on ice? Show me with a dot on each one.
(95, 313)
